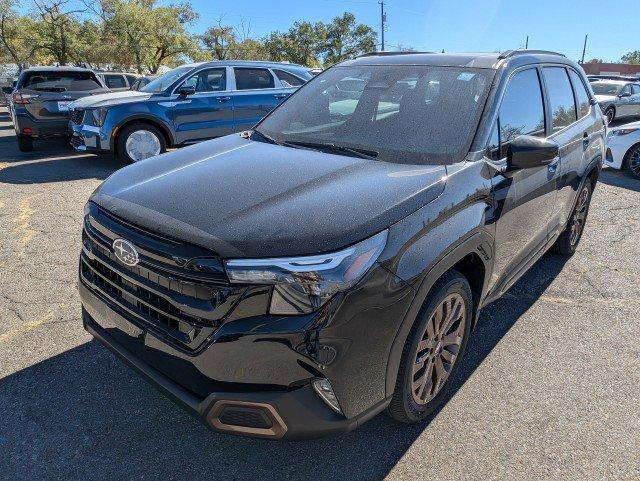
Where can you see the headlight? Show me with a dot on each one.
(303, 284)
(98, 116)
(623, 131)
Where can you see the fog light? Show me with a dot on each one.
(325, 391)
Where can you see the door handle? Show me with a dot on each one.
(585, 141)
(224, 99)
(280, 96)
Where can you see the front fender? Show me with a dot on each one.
(138, 112)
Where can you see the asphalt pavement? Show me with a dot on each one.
(549, 388)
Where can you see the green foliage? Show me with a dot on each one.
(632, 57)
(145, 34)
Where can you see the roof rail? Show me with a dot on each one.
(513, 53)
(389, 53)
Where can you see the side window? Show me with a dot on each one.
(209, 80)
(581, 94)
(131, 78)
(253, 78)
(522, 110)
(636, 89)
(115, 81)
(287, 79)
(563, 107)
(626, 89)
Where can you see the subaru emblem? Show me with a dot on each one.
(125, 252)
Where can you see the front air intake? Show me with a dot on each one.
(241, 417)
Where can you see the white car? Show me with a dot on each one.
(623, 148)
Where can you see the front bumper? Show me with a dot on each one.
(293, 413)
(89, 138)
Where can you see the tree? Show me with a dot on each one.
(57, 31)
(149, 35)
(345, 39)
(302, 43)
(632, 57)
(219, 39)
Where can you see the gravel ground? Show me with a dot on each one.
(549, 388)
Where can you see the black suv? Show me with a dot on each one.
(297, 279)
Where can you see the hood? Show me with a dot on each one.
(243, 198)
(110, 99)
(605, 98)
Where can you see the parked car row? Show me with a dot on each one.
(138, 117)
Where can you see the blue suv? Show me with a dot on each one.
(187, 104)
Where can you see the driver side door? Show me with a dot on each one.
(524, 198)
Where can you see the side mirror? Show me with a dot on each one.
(526, 151)
(625, 94)
(7, 90)
(186, 90)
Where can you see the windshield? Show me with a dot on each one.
(165, 81)
(405, 114)
(60, 81)
(606, 88)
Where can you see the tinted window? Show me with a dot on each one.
(253, 78)
(522, 110)
(114, 81)
(563, 108)
(210, 80)
(287, 79)
(581, 94)
(403, 113)
(131, 79)
(60, 81)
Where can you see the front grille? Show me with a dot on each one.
(76, 116)
(184, 306)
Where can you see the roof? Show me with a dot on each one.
(252, 63)
(615, 82)
(61, 68)
(489, 60)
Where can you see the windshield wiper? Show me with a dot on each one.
(330, 146)
(49, 89)
(266, 137)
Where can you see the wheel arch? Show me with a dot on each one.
(143, 119)
(472, 257)
(625, 159)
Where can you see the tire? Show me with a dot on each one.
(145, 138)
(610, 114)
(419, 391)
(632, 161)
(568, 241)
(25, 144)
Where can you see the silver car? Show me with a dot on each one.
(617, 98)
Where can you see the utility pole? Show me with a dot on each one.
(526, 45)
(584, 48)
(383, 21)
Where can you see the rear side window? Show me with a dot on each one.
(563, 108)
(522, 110)
(582, 96)
(60, 81)
(253, 78)
(287, 79)
(115, 81)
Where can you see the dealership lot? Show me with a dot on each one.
(548, 389)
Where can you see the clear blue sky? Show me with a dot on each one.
(456, 25)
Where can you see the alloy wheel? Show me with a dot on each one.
(610, 116)
(142, 144)
(579, 216)
(438, 348)
(634, 162)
